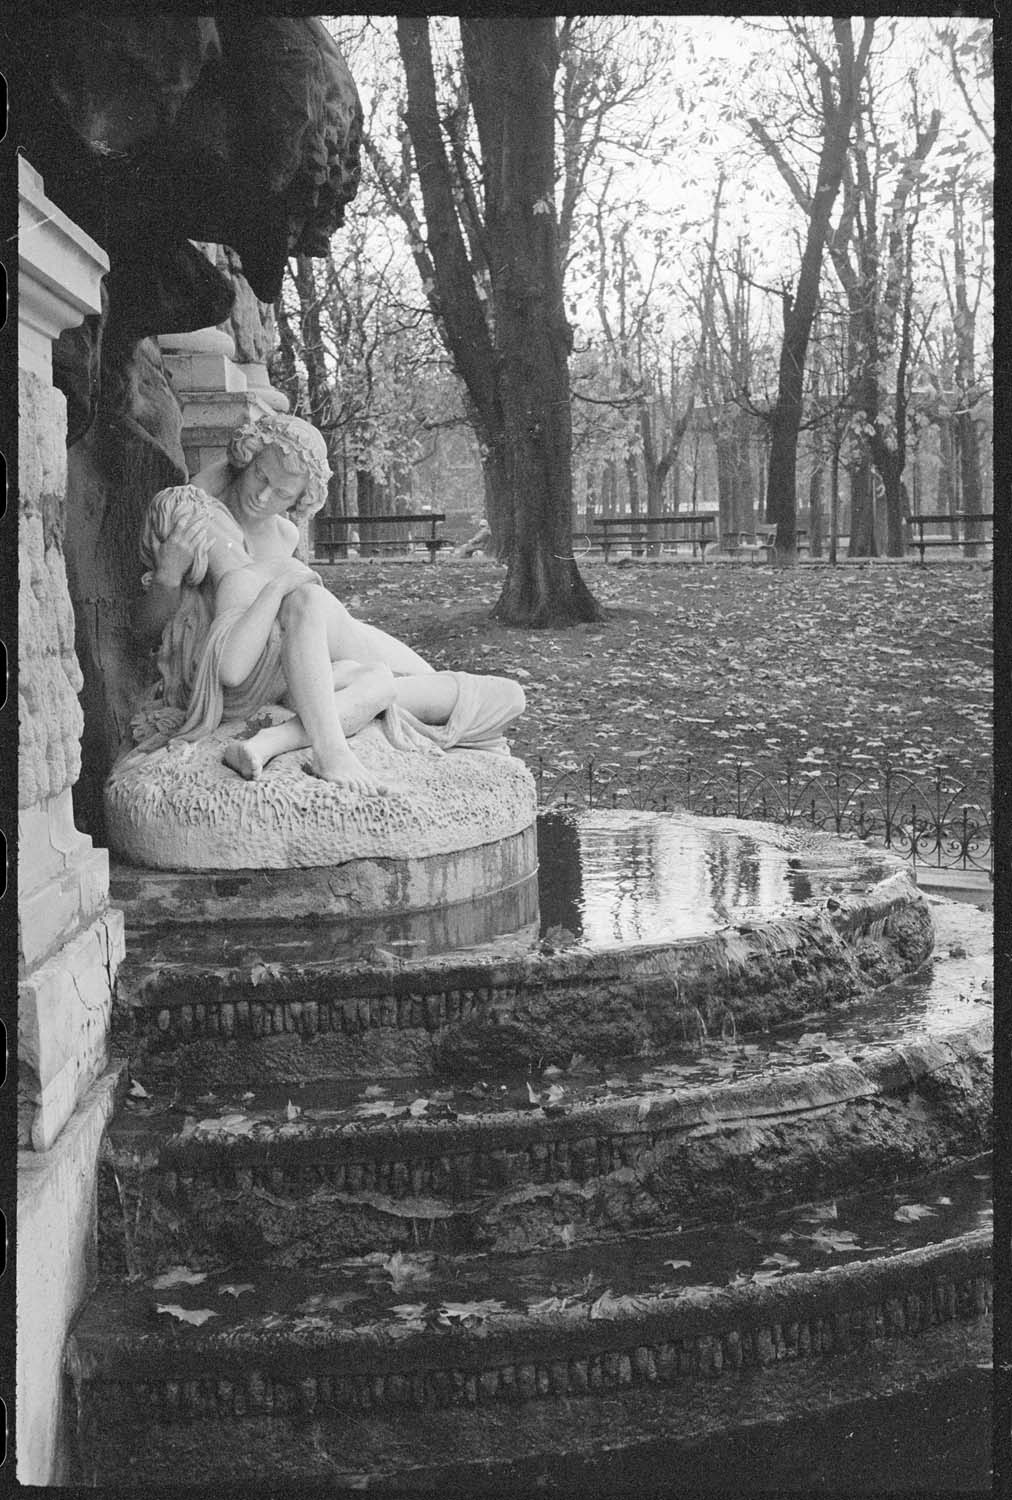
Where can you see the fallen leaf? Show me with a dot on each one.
(773, 1267)
(138, 1091)
(610, 1305)
(464, 1312)
(909, 1213)
(384, 1108)
(331, 1302)
(260, 972)
(830, 1240)
(411, 1310)
(550, 1305)
(404, 1269)
(178, 1276)
(226, 1125)
(196, 1316)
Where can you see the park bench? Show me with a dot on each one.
(760, 544)
(960, 518)
(639, 532)
(332, 535)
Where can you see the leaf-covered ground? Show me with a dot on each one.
(728, 663)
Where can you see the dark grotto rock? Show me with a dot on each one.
(151, 131)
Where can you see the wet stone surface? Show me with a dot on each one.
(420, 1288)
(334, 1246)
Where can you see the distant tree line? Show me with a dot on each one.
(595, 354)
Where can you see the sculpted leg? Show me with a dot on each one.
(474, 708)
(348, 637)
(430, 696)
(307, 662)
(360, 695)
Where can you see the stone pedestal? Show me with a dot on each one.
(216, 394)
(213, 392)
(69, 941)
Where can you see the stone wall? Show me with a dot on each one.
(69, 941)
(49, 714)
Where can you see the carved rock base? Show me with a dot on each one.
(181, 808)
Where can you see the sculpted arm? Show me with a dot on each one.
(160, 599)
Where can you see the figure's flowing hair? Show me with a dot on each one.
(185, 635)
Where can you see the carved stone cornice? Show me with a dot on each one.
(60, 270)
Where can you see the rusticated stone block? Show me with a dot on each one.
(49, 677)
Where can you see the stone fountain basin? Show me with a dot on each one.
(218, 1003)
(288, 1190)
(243, 1390)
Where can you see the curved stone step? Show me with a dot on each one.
(188, 1008)
(285, 1188)
(309, 1393)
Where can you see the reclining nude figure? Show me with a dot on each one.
(244, 624)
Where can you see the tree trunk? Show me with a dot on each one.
(283, 364)
(890, 467)
(511, 69)
(309, 342)
(799, 311)
(453, 297)
(963, 321)
(675, 487)
(968, 446)
(947, 497)
(590, 500)
(862, 508)
(609, 487)
(834, 504)
(816, 487)
(652, 471)
(725, 483)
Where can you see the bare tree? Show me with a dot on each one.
(839, 95)
(515, 364)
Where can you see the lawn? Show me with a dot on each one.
(755, 664)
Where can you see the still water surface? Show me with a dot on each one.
(641, 877)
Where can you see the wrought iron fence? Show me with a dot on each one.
(932, 819)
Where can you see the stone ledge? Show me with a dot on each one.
(508, 1181)
(495, 1011)
(525, 1357)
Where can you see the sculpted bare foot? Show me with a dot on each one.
(240, 756)
(345, 770)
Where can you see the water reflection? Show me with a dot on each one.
(632, 877)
